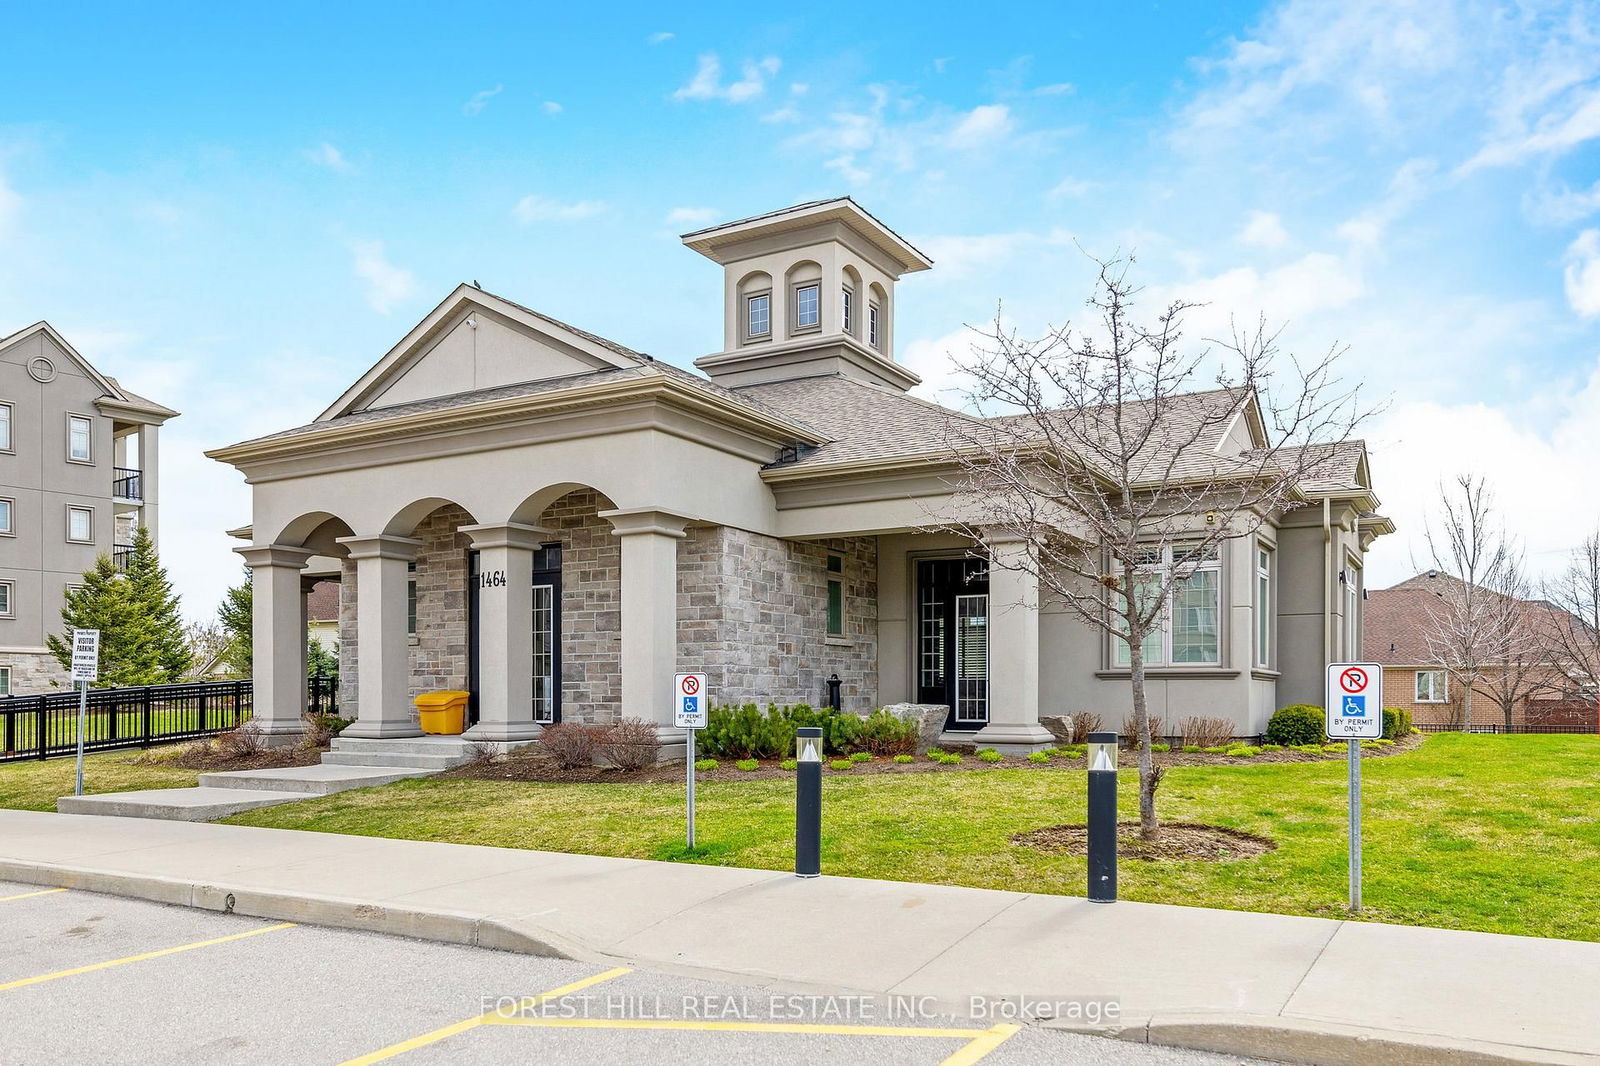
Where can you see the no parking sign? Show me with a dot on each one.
(689, 701)
(1354, 701)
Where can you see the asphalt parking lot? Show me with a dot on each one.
(92, 978)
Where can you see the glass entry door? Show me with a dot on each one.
(953, 639)
(546, 626)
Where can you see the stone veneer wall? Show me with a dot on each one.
(591, 607)
(753, 614)
(33, 673)
(439, 650)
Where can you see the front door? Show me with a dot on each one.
(546, 635)
(953, 639)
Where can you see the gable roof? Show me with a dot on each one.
(415, 343)
(113, 394)
(1397, 620)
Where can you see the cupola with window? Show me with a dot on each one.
(808, 291)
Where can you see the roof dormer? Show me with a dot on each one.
(808, 291)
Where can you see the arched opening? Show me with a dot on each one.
(754, 307)
(877, 319)
(851, 293)
(803, 284)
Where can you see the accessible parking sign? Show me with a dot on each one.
(1354, 701)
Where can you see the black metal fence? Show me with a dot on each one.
(44, 726)
(1500, 727)
(127, 483)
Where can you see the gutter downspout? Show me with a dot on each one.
(1327, 582)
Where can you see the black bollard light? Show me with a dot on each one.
(1102, 817)
(833, 691)
(808, 802)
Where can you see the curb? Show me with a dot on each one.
(1301, 1040)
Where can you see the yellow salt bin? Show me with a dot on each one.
(443, 713)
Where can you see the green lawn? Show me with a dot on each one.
(31, 785)
(1471, 832)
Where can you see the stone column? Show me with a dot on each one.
(1013, 651)
(505, 630)
(278, 642)
(649, 614)
(383, 671)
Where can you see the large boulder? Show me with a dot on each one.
(1060, 726)
(930, 719)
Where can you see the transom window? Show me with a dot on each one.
(80, 438)
(1433, 686)
(1188, 629)
(758, 315)
(807, 307)
(1263, 606)
(80, 524)
(5, 427)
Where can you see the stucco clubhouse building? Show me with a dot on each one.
(555, 523)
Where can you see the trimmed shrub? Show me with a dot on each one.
(989, 755)
(861, 756)
(570, 744)
(1205, 732)
(881, 733)
(1298, 723)
(1396, 723)
(627, 744)
(747, 765)
(747, 732)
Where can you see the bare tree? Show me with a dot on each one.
(1519, 662)
(1097, 449)
(1470, 625)
(208, 643)
(1573, 622)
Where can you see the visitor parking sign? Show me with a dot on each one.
(1354, 701)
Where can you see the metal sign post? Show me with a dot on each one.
(85, 668)
(689, 698)
(1354, 712)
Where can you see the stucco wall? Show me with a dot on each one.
(753, 614)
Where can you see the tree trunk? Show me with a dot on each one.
(1149, 828)
(1466, 709)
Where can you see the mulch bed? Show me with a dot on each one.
(1178, 841)
(202, 756)
(530, 764)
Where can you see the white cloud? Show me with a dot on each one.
(691, 216)
(327, 155)
(707, 81)
(1563, 205)
(981, 126)
(1070, 188)
(1060, 88)
(480, 100)
(540, 209)
(387, 284)
(931, 360)
(659, 38)
(550, 107)
(1582, 274)
(845, 167)
(782, 114)
(1264, 230)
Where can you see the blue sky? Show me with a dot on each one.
(237, 211)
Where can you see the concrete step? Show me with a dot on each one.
(405, 745)
(175, 804)
(394, 758)
(320, 780)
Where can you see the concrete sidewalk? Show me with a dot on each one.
(1297, 989)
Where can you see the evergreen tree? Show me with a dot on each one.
(102, 603)
(320, 662)
(163, 647)
(237, 615)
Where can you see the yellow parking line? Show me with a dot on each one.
(76, 970)
(472, 1023)
(982, 1044)
(30, 895)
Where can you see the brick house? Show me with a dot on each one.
(556, 523)
(1396, 634)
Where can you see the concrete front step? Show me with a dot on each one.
(175, 804)
(405, 745)
(319, 780)
(393, 758)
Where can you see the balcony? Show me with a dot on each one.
(120, 554)
(127, 483)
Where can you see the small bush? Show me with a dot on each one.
(1083, 723)
(861, 756)
(242, 743)
(1205, 732)
(570, 744)
(1039, 757)
(903, 759)
(789, 764)
(1070, 751)
(705, 764)
(1314, 749)
(1243, 751)
(1160, 749)
(881, 733)
(1130, 732)
(322, 728)
(627, 744)
(1396, 723)
(1191, 749)
(841, 764)
(935, 753)
(949, 758)
(747, 765)
(989, 755)
(1333, 747)
(1270, 747)
(1298, 723)
(1215, 749)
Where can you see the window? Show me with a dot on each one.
(835, 596)
(1263, 606)
(1433, 686)
(80, 435)
(873, 337)
(5, 680)
(6, 609)
(80, 525)
(1188, 629)
(411, 599)
(1352, 613)
(847, 310)
(6, 529)
(758, 315)
(808, 307)
(5, 427)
